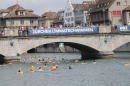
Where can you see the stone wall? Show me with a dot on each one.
(11, 32)
(54, 50)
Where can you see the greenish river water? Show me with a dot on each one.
(106, 72)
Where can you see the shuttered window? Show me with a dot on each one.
(116, 13)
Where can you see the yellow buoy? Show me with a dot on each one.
(32, 68)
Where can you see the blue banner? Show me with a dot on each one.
(63, 31)
(123, 28)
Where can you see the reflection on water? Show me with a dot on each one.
(106, 72)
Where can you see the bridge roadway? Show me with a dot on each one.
(89, 45)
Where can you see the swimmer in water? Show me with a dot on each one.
(4, 64)
(38, 62)
(70, 67)
(32, 69)
(62, 58)
(94, 62)
(127, 64)
(40, 69)
(84, 62)
(45, 65)
(58, 61)
(67, 60)
(76, 60)
(20, 71)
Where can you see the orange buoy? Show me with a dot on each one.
(53, 68)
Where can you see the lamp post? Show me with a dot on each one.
(0, 19)
(11, 32)
(10, 19)
(88, 19)
(86, 14)
(110, 18)
(104, 15)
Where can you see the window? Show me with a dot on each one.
(97, 6)
(72, 25)
(94, 16)
(68, 19)
(71, 18)
(129, 15)
(116, 13)
(98, 15)
(12, 22)
(101, 15)
(22, 21)
(106, 14)
(125, 3)
(42, 24)
(31, 21)
(70, 13)
(21, 13)
(118, 3)
(66, 14)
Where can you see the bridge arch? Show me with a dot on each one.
(119, 41)
(68, 41)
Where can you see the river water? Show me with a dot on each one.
(106, 72)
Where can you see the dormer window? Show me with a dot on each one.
(21, 13)
(98, 6)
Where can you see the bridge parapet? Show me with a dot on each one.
(11, 32)
(104, 29)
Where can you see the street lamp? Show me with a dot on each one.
(86, 14)
(88, 21)
(10, 19)
(104, 15)
(0, 19)
(110, 17)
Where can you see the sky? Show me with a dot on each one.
(39, 6)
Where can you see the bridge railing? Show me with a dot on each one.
(66, 31)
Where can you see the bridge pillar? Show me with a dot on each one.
(106, 54)
(89, 55)
(96, 55)
(12, 58)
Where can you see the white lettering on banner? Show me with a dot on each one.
(59, 30)
(124, 28)
(41, 31)
(62, 30)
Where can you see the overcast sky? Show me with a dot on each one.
(38, 6)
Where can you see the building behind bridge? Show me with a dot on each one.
(16, 16)
(108, 12)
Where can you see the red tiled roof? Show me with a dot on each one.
(102, 3)
(50, 15)
(16, 8)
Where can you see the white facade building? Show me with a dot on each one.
(69, 20)
(80, 12)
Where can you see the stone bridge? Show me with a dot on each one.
(89, 45)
